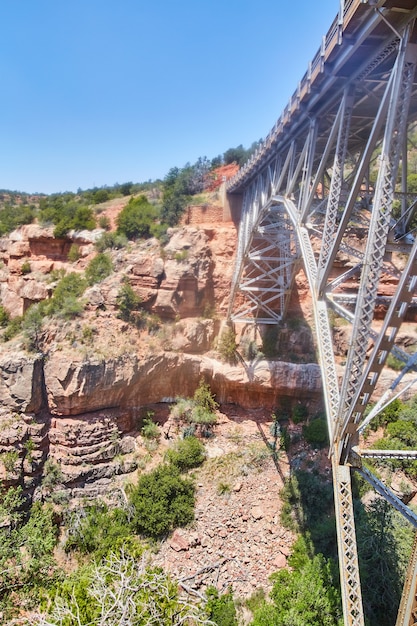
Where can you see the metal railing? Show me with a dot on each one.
(315, 68)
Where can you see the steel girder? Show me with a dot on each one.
(306, 193)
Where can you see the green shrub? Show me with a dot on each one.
(98, 268)
(101, 195)
(129, 304)
(64, 301)
(13, 328)
(136, 218)
(315, 433)
(150, 430)
(71, 217)
(104, 222)
(12, 217)
(27, 539)
(122, 589)
(10, 460)
(161, 501)
(305, 596)
(227, 346)
(181, 256)
(221, 607)
(182, 409)
(32, 327)
(299, 413)
(394, 363)
(204, 398)
(4, 317)
(390, 414)
(74, 253)
(186, 453)
(25, 267)
(52, 474)
(405, 432)
(97, 530)
(112, 240)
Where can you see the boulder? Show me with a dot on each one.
(21, 382)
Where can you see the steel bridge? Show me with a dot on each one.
(335, 164)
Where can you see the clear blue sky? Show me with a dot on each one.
(96, 92)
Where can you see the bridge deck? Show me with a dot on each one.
(349, 44)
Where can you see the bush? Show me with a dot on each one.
(186, 453)
(161, 501)
(316, 432)
(32, 327)
(4, 317)
(97, 530)
(115, 241)
(150, 430)
(405, 432)
(304, 596)
(221, 608)
(13, 216)
(99, 268)
(299, 413)
(394, 363)
(25, 267)
(64, 301)
(71, 217)
(136, 218)
(227, 346)
(129, 304)
(104, 222)
(13, 328)
(101, 195)
(122, 589)
(74, 253)
(204, 398)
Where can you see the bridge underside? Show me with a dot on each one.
(328, 190)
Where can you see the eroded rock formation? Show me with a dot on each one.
(80, 401)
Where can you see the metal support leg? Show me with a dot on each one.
(346, 537)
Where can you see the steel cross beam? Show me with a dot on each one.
(306, 194)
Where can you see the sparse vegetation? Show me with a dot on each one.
(227, 346)
(4, 317)
(98, 268)
(112, 240)
(186, 453)
(25, 267)
(200, 411)
(150, 430)
(65, 299)
(74, 253)
(129, 304)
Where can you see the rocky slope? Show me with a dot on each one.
(80, 400)
(71, 413)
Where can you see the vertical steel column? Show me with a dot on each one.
(346, 538)
(380, 222)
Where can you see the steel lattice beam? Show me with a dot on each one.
(305, 190)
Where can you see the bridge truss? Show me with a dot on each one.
(335, 165)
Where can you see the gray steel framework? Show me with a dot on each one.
(306, 191)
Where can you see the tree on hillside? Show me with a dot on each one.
(180, 185)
